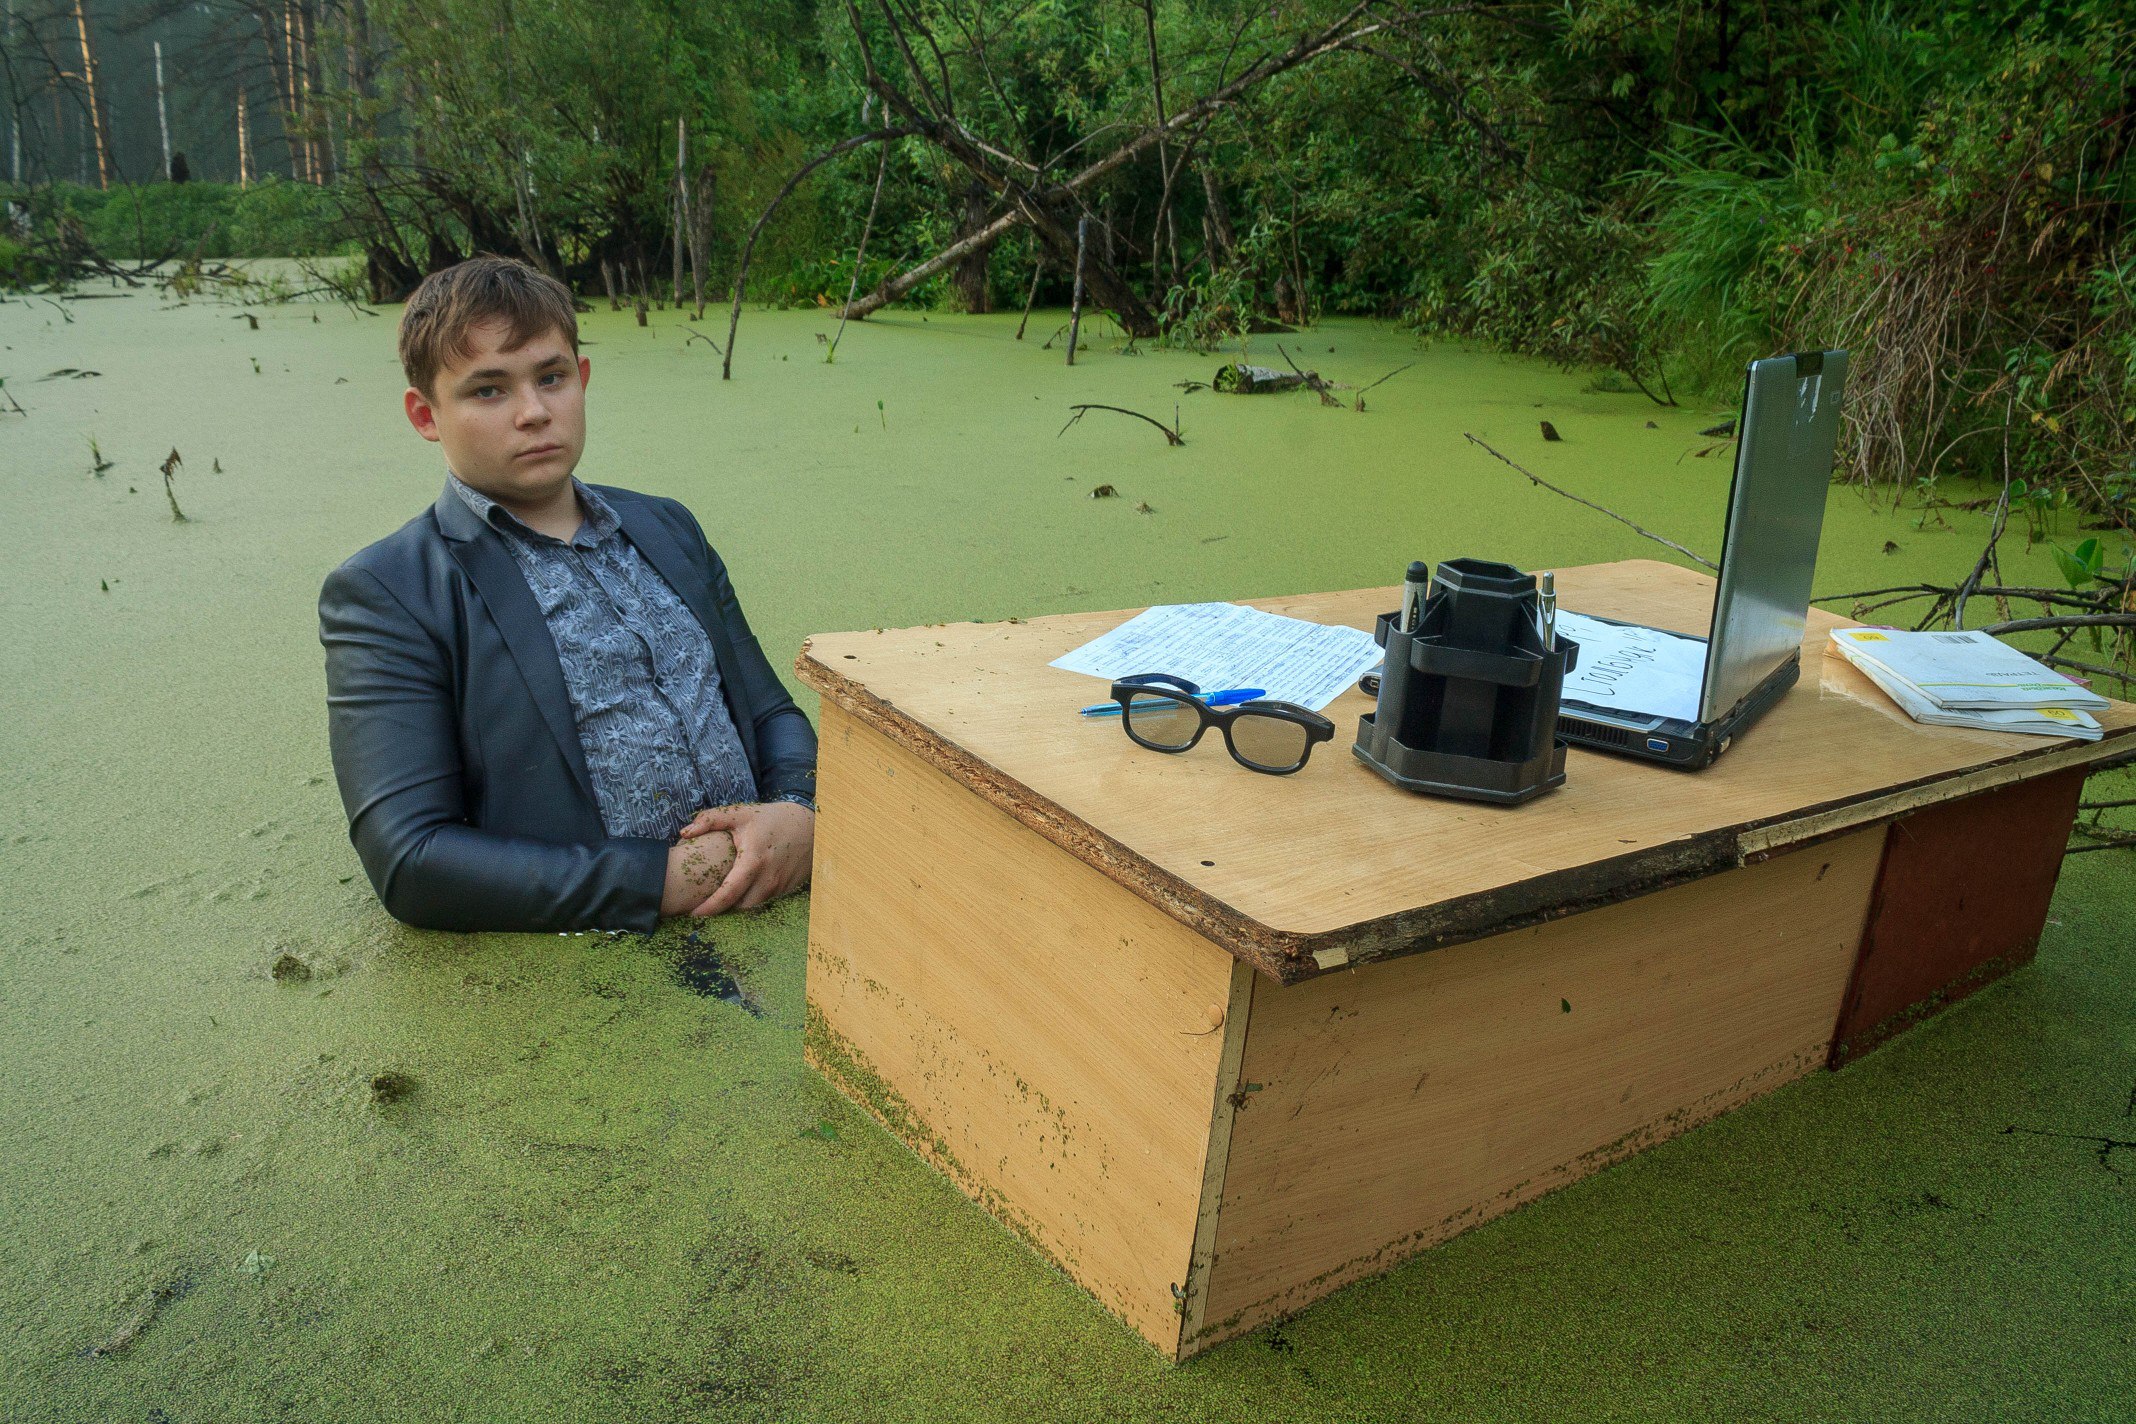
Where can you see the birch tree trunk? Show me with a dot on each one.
(163, 113)
(96, 98)
(244, 145)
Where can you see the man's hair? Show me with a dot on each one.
(436, 324)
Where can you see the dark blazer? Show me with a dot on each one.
(454, 741)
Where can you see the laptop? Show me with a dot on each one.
(1786, 437)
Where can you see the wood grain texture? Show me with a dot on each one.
(1389, 1107)
(1335, 863)
(1960, 900)
(1049, 1040)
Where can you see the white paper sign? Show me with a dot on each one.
(1224, 645)
(1634, 671)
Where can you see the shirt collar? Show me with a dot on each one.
(601, 519)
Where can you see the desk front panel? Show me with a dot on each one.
(1389, 1107)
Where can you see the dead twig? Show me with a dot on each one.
(860, 253)
(2121, 675)
(1312, 380)
(1038, 269)
(2080, 620)
(1359, 404)
(741, 268)
(172, 463)
(1075, 307)
(2102, 838)
(1534, 478)
(2053, 596)
(1171, 434)
(1996, 526)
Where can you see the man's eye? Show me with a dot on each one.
(552, 378)
(485, 392)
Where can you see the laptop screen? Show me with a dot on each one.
(1788, 432)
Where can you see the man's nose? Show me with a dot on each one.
(532, 411)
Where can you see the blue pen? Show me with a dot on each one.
(1214, 699)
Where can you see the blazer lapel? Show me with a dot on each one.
(684, 575)
(495, 574)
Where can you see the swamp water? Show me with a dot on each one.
(270, 1156)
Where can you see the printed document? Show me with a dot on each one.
(2033, 721)
(1964, 670)
(1634, 671)
(1225, 645)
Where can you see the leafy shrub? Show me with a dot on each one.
(272, 218)
(18, 268)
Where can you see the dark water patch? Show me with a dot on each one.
(389, 1088)
(835, 1261)
(695, 962)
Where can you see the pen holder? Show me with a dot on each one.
(1468, 701)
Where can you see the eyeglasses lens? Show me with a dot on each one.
(1268, 742)
(1162, 721)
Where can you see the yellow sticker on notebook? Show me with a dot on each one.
(2060, 714)
(1867, 638)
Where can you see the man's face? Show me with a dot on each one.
(513, 423)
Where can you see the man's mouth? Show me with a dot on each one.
(535, 451)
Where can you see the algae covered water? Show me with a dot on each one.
(271, 1156)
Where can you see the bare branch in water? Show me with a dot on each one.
(1604, 509)
(172, 463)
(1171, 435)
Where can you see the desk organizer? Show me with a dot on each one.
(1468, 701)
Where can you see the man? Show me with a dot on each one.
(546, 709)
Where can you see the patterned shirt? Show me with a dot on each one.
(644, 684)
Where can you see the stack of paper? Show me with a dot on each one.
(1968, 679)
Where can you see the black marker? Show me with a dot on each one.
(1413, 588)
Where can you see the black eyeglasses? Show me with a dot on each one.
(1163, 713)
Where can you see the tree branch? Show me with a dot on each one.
(741, 271)
(1577, 499)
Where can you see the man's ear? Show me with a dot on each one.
(585, 372)
(420, 415)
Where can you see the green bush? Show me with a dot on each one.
(17, 267)
(272, 218)
(276, 217)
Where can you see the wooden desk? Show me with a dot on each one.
(1172, 1022)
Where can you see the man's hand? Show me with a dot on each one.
(695, 868)
(774, 842)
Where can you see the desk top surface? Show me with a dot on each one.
(1299, 874)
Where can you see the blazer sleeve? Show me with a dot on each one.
(393, 728)
(785, 742)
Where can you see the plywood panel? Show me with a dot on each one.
(1389, 1107)
(1223, 1113)
(1362, 870)
(1959, 903)
(1048, 1039)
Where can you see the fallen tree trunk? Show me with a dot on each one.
(1040, 207)
(1238, 380)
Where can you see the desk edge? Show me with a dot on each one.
(1290, 956)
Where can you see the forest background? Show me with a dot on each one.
(1655, 191)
